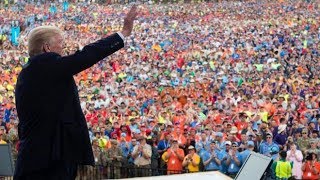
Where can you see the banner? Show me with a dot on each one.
(65, 6)
(15, 33)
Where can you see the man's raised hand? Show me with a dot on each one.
(128, 21)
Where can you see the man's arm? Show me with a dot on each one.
(57, 65)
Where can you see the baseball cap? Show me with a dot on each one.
(228, 143)
(219, 134)
(270, 134)
(191, 147)
(250, 143)
(213, 141)
(235, 143)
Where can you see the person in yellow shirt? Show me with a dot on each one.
(263, 113)
(6, 3)
(103, 143)
(192, 160)
(1, 139)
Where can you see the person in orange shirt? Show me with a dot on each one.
(179, 118)
(193, 136)
(241, 123)
(180, 137)
(174, 158)
(311, 168)
(269, 107)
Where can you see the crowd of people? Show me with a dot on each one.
(197, 87)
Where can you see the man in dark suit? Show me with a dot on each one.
(52, 129)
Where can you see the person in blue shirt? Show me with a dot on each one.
(7, 114)
(233, 160)
(268, 145)
(224, 154)
(133, 125)
(130, 162)
(203, 143)
(244, 154)
(132, 144)
(219, 141)
(124, 146)
(164, 144)
(202, 151)
(212, 158)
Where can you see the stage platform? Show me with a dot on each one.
(214, 175)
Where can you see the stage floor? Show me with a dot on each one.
(189, 176)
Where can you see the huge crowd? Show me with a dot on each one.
(198, 86)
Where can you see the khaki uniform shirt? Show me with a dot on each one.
(140, 160)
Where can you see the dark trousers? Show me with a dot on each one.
(58, 171)
(143, 171)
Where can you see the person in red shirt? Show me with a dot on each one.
(124, 129)
(169, 130)
(241, 123)
(174, 157)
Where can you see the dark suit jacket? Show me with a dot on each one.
(52, 126)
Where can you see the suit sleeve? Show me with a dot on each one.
(81, 60)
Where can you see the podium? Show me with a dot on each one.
(256, 167)
(6, 161)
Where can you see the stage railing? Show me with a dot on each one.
(115, 172)
(111, 171)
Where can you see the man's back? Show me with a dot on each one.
(51, 119)
(52, 129)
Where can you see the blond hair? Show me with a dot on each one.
(39, 36)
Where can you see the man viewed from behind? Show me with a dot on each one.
(244, 154)
(52, 123)
(282, 168)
